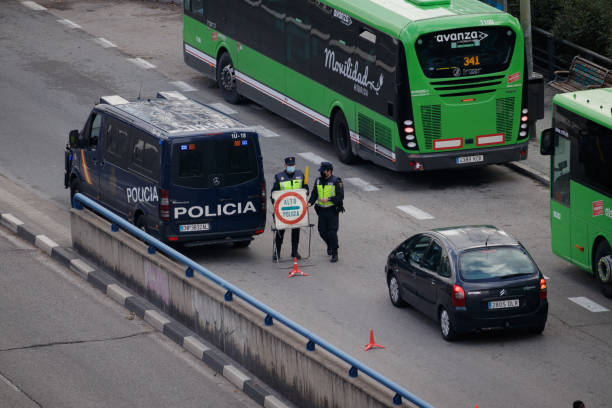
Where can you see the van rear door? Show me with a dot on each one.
(216, 186)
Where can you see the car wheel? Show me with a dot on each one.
(75, 188)
(603, 268)
(536, 329)
(341, 139)
(446, 326)
(242, 244)
(226, 78)
(394, 291)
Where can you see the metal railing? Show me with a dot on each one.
(313, 340)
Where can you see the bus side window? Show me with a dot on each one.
(560, 187)
(298, 35)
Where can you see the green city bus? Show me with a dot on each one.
(407, 84)
(580, 145)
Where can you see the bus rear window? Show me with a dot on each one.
(219, 161)
(465, 52)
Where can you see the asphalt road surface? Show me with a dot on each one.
(52, 73)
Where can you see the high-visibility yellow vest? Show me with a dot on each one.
(325, 191)
(291, 184)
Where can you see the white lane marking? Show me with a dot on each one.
(141, 63)
(68, 23)
(105, 43)
(183, 86)
(223, 108)
(362, 184)
(33, 5)
(265, 132)
(312, 157)
(415, 212)
(173, 95)
(588, 304)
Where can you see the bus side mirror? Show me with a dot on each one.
(73, 138)
(547, 146)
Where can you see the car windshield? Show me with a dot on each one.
(494, 263)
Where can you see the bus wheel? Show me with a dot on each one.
(342, 139)
(74, 189)
(603, 268)
(226, 79)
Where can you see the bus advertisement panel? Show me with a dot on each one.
(580, 145)
(408, 84)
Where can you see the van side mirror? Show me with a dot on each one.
(547, 146)
(73, 138)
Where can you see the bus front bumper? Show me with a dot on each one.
(462, 158)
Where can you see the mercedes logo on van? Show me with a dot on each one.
(216, 180)
(502, 292)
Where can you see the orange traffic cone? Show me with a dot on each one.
(295, 270)
(372, 344)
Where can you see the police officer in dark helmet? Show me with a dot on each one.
(327, 197)
(289, 179)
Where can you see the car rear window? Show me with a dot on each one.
(216, 162)
(495, 263)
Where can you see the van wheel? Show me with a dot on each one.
(341, 139)
(603, 268)
(242, 244)
(226, 79)
(446, 326)
(75, 188)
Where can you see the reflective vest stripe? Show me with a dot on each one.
(325, 192)
(291, 184)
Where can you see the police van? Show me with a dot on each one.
(180, 170)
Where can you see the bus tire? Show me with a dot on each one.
(75, 188)
(341, 139)
(603, 268)
(226, 79)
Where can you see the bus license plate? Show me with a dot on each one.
(470, 159)
(503, 304)
(194, 227)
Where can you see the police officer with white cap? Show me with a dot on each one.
(328, 197)
(289, 179)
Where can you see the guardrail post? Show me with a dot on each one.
(151, 249)
(397, 400)
(353, 372)
(228, 296)
(268, 320)
(189, 272)
(114, 227)
(310, 346)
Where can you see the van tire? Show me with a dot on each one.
(75, 188)
(242, 244)
(341, 139)
(602, 267)
(226, 79)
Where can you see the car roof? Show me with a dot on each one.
(473, 236)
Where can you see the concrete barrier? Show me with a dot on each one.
(275, 354)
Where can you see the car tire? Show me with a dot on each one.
(447, 327)
(341, 139)
(75, 188)
(603, 268)
(242, 244)
(226, 79)
(536, 329)
(394, 291)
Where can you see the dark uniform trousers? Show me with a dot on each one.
(295, 240)
(328, 226)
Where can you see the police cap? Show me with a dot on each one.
(290, 161)
(326, 166)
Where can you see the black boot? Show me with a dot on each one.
(296, 254)
(329, 251)
(334, 256)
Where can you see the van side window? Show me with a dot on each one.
(117, 144)
(145, 155)
(91, 134)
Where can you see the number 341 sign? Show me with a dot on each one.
(290, 209)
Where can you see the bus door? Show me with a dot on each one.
(89, 156)
(560, 214)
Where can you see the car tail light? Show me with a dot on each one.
(458, 296)
(543, 289)
(164, 205)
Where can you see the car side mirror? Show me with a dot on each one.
(400, 256)
(547, 146)
(73, 138)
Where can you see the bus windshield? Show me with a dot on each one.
(465, 52)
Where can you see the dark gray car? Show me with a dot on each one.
(468, 278)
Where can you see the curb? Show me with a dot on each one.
(169, 327)
(529, 172)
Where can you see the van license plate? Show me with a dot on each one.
(503, 304)
(470, 159)
(194, 227)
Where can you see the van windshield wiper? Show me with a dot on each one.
(514, 275)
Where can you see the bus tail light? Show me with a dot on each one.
(458, 296)
(543, 289)
(407, 135)
(164, 205)
(524, 132)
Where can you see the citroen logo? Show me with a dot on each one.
(216, 180)
(502, 292)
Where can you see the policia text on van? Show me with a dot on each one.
(176, 168)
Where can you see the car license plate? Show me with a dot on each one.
(470, 159)
(194, 227)
(503, 304)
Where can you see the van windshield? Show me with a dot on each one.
(218, 161)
